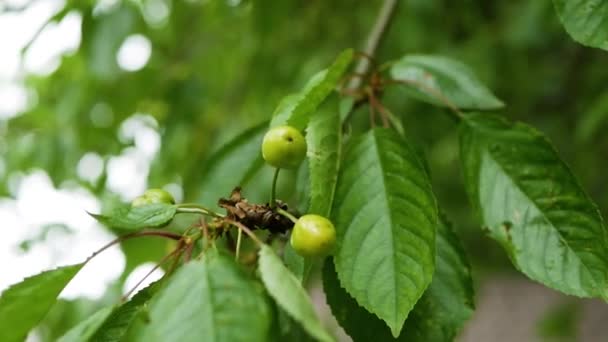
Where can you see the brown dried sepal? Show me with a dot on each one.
(255, 216)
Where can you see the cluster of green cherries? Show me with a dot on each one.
(283, 147)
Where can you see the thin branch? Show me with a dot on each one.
(129, 236)
(16, 9)
(373, 41)
(179, 250)
(54, 19)
(160, 263)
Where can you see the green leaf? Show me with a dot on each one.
(593, 120)
(439, 314)
(134, 218)
(66, 314)
(533, 205)
(448, 302)
(345, 106)
(585, 20)
(115, 327)
(286, 328)
(23, 305)
(289, 294)
(85, 329)
(288, 104)
(561, 322)
(324, 139)
(437, 80)
(209, 300)
(385, 216)
(232, 165)
(295, 109)
(302, 188)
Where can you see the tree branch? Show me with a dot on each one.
(16, 8)
(373, 41)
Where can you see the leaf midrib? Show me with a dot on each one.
(390, 220)
(336, 168)
(210, 298)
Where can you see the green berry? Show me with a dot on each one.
(313, 236)
(284, 147)
(159, 196)
(141, 201)
(153, 196)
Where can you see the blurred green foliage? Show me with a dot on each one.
(218, 68)
(559, 323)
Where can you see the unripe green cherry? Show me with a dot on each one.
(313, 236)
(141, 201)
(159, 196)
(153, 196)
(284, 147)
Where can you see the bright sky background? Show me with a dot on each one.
(36, 202)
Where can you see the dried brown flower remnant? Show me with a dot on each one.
(253, 215)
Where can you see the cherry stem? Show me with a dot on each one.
(394, 121)
(185, 236)
(273, 193)
(189, 251)
(159, 264)
(159, 233)
(247, 231)
(372, 109)
(181, 247)
(192, 208)
(286, 214)
(374, 103)
(355, 93)
(238, 244)
(205, 230)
